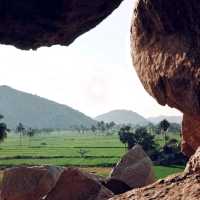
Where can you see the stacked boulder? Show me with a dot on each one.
(177, 187)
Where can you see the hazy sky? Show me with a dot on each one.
(93, 75)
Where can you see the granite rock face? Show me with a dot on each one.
(165, 41)
(190, 134)
(135, 169)
(193, 166)
(177, 187)
(51, 183)
(29, 183)
(35, 23)
(76, 185)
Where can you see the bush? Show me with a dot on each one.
(171, 154)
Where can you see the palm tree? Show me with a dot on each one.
(21, 130)
(30, 133)
(164, 125)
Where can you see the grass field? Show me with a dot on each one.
(102, 152)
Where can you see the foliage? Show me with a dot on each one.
(145, 139)
(140, 136)
(3, 130)
(171, 153)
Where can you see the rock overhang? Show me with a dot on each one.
(35, 23)
(165, 41)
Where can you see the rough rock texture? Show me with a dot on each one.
(135, 169)
(183, 186)
(193, 166)
(34, 23)
(76, 185)
(190, 134)
(29, 183)
(165, 40)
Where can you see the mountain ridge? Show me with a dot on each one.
(38, 112)
(121, 116)
(110, 116)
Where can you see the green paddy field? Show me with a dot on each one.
(63, 149)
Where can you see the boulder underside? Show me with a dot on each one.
(35, 23)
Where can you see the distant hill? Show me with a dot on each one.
(171, 119)
(122, 117)
(37, 112)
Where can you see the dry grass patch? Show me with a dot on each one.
(101, 171)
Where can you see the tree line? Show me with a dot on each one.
(169, 153)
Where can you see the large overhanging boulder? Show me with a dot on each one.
(29, 24)
(165, 40)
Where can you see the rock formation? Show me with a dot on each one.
(177, 187)
(135, 169)
(76, 185)
(51, 183)
(190, 134)
(29, 183)
(35, 23)
(165, 41)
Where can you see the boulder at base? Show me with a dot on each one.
(76, 185)
(29, 183)
(183, 186)
(135, 169)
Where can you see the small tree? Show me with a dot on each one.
(83, 153)
(164, 125)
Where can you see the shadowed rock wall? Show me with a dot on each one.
(29, 24)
